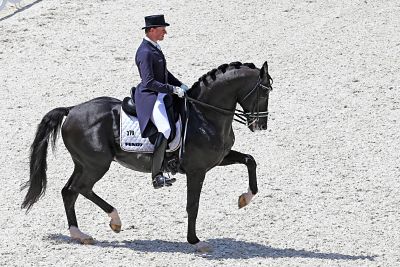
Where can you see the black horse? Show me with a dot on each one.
(91, 135)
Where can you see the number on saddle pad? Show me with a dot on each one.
(132, 141)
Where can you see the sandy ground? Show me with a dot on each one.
(328, 167)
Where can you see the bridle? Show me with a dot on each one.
(246, 118)
(249, 118)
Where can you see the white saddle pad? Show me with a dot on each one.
(132, 141)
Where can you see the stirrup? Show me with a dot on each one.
(160, 181)
(169, 179)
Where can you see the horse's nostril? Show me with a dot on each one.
(263, 127)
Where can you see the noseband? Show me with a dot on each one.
(246, 118)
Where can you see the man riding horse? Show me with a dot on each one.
(155, 89)
(91, 133)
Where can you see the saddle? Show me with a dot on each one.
(129, 106)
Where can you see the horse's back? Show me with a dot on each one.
(91, 112)
(103, 101)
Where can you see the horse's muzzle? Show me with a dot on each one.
(258, 127)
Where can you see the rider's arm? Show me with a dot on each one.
(145, 65)
(172, 80)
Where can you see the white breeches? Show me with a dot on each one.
(159, 116)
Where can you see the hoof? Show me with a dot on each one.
(245, 199)
(82, 238)
(203, 247)
(115, 227)
(115, 222)
(242, 201)
(87, 241)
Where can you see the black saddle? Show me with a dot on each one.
(128, 104)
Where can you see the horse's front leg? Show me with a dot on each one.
(235, 157)
(195, 181)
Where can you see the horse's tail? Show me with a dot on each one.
(48, 128)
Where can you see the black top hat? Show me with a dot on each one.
(155, 21)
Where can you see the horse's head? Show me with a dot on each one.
(255, 100)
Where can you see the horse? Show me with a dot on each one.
(91, 135)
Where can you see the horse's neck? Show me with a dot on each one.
(220, 100)
(224, 90)
(223, 93)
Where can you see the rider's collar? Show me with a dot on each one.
(152, 42)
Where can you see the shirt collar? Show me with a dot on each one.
(152, 42)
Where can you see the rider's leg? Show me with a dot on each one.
(160, 120)
(169, 106)
(159, 180)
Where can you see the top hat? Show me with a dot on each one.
(154, 21)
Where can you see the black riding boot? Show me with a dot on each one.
(159, 180)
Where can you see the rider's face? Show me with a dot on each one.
(157, 33)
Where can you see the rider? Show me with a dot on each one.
(157, 83)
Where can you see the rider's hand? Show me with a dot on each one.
(185, 87)
(179, 91)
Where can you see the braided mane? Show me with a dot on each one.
(222, 68)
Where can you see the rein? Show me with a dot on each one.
(220, 110)
(242, 117)
(240, 114)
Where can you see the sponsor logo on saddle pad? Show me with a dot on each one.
(132, 141)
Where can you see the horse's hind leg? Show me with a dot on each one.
(235, 157)
(82, 182)
(84, 186)
(69, 197)
(115, 222)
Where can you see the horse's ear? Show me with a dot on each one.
(264, 71)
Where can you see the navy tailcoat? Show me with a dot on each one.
(155, 79)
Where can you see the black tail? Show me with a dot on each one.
(48, 128)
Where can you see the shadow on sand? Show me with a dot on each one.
(224, 248)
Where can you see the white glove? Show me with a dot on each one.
(185, 87)
(179, 91)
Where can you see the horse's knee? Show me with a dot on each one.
(66, 192)
(250, 161)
